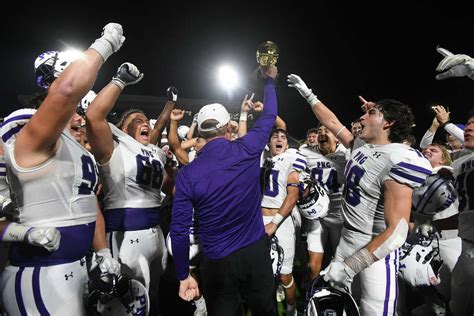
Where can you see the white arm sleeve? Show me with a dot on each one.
(455, 131)
(427, 139)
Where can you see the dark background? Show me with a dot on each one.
(383, 49)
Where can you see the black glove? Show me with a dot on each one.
(127, 74)
(172, 93)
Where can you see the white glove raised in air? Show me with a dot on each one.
(46, 237)
(106, 262)
(111, 40)
(296, 82)
(338, 273)
(127, 74)
(452, 65)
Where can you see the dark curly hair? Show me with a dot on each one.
(126, 114)
(401, 116)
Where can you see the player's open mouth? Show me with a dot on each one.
(144, 134)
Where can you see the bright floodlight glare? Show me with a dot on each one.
(227, 77)
(72, 53)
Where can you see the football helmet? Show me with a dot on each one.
(276, 254)
(436, 195)
(420, 261)
(183, 131)
(324, 299)
(110, 294)
(49, 65)
(85, 102)
(313, 201)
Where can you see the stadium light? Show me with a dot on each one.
(228, 78)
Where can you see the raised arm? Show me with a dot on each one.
(244, 111)
(162, 120)
(429, 134)
(322, 112)
(99, 133)
(173, 138)
(38, 140)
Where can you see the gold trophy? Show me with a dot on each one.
(267, 54)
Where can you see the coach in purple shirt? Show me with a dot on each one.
(222, 186)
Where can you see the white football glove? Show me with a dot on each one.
(127, 74)
(46, 237)
(458, 65)
(111, 40)
(106, 262)
(338, 273)
(296, 82)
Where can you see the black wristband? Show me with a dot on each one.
(444, 124)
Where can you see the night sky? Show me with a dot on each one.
(380, 50)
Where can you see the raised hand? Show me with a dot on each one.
(177, 115)
(452, 65)
(111, 40)
(127, 74)
(172, 93)
(247, 103)
(366, 105)
(295, 81)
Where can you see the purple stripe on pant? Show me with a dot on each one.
(19, 297)
(37, 292)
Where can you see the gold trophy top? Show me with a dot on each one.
(267, 54)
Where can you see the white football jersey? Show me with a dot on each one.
(369, 167)
(275, 190)
(464, 183)
(329, 171)
(44, 194)
(4, 190)
(133, 176)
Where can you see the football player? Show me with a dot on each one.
(380, 177)
(326, 162)
(279, 198)
(462, 291)
(53, 181)
(132, 172)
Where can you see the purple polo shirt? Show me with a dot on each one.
(222, 186)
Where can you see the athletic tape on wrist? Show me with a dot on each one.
(312, 99)
(277, 219)
(360, 260)
(103, 47)
(119, 83)
(15, 232)
(243, 116)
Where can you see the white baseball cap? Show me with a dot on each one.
(213, 111)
